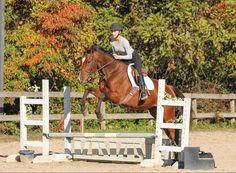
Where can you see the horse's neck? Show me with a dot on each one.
(110, 66)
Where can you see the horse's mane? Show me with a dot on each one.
(96, 48)
(103, 51)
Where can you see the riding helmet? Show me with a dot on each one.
(116, 27)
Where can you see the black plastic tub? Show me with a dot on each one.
(26, 156)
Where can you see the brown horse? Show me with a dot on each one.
(115, 86)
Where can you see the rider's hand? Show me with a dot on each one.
(115, 56)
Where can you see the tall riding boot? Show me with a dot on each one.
(143, 93)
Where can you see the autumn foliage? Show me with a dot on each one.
(54, 40)
(185, 42)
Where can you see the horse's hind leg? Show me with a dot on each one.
(169, 117)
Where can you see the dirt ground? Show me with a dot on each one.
(221, 143)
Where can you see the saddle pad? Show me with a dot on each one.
(148, 82)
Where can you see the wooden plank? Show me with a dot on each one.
(112, 116)
(78, 116)
(39, 94)
(17, 94)
(210, 96)
(212, 115)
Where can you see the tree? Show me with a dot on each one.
(47, 41)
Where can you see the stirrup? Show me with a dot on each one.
(143, 95)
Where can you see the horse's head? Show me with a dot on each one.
(88, 65)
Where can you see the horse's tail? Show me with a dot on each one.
(178, 92)
(178, 113)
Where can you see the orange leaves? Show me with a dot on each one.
(66, 26)
(63, 17)
(49, 44)
(52, 22)
(219, 11)
(35, 59)
(74, 12)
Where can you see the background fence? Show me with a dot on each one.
(195, 98)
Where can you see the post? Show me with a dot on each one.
(45, 97)
(186, 123)
(159, 121)
(23, 128)
(81, 121)
(103, 111)
(2, 30)
(193, 112)
(67, 120)
(232, 106)
(232, 110)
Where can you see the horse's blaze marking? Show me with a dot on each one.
(83, 59)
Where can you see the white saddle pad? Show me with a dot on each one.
(148, 82)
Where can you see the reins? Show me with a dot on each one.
(105, 65)
(94, 58)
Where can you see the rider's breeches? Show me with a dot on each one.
(137, 62)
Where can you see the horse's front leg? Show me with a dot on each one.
(82, 102)
(97, 93)
(98, 108)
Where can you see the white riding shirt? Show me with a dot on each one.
(121, 48)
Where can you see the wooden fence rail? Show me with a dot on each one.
(194, 99)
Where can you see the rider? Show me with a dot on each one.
(122, 50)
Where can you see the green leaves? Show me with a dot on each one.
(182, 41)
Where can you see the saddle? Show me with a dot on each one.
(134, 77)
(135, 73)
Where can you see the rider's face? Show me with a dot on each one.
(115, 33)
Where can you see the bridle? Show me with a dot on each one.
(91, 63)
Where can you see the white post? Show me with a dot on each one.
(23, 128)
(45, 92)
(186, 122)
(159, 121)
(67, 120)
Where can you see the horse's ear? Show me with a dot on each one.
(92, 49)
(95, 47)
(88, 51)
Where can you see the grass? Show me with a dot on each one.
(212, 126)
(111, 127)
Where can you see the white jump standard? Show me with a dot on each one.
(130, 147)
